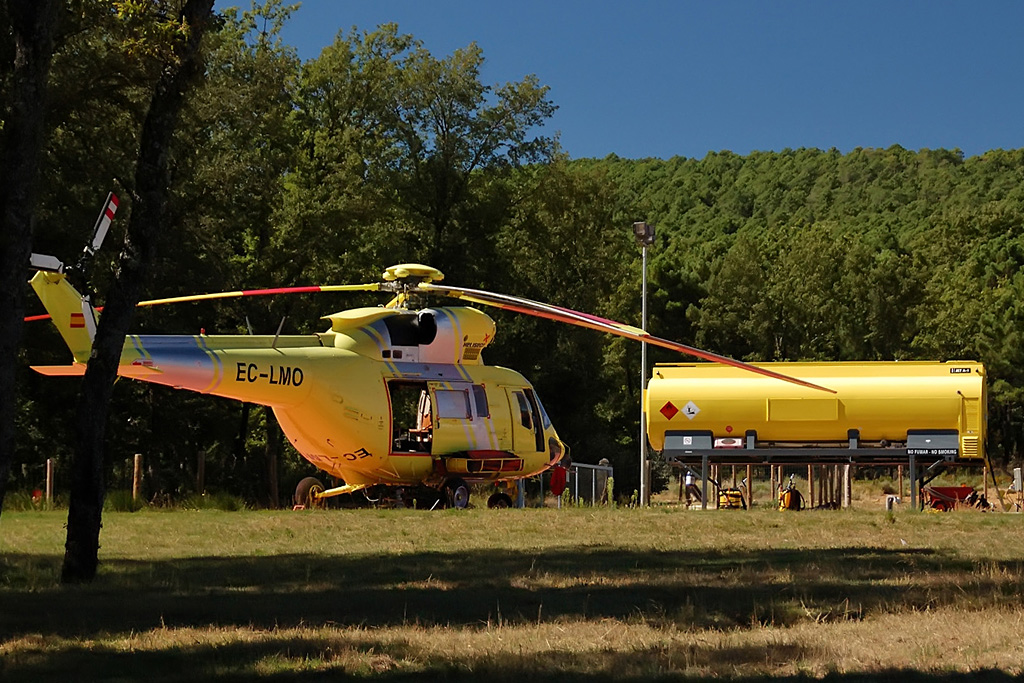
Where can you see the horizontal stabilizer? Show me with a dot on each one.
(76, 370)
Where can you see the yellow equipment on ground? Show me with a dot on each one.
(877, 402)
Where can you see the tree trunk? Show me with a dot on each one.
(152, 190)
(33, 26)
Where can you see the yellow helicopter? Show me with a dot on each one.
(393, 396)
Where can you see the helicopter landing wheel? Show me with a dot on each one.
(456, 493)
(305, 493)
(499, 500)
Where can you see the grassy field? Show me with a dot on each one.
(511, 595)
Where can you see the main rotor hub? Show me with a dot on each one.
(403, 280)
(412, 274)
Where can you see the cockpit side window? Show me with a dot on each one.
(538, 431)
(524, 410)
(480, 399)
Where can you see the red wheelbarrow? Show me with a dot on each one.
(946, 498)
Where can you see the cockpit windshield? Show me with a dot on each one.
(545, 420)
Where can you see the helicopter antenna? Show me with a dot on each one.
(279, 328)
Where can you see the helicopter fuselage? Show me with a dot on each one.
(385, 396)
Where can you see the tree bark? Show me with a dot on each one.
(148, 219)
(33, 25)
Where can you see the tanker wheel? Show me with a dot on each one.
(305, 493)
(456, 493)
(499, 500)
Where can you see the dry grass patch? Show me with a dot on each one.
(503, 595)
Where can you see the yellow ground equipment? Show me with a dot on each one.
(790, 498)
(883, 408)
(731, 499)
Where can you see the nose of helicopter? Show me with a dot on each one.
(558, 451)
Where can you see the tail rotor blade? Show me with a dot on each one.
(99, 231)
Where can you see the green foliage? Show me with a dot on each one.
(23, 501)
(872, 255)
(120, 500)
(378, 152)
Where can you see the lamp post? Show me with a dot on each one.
(644, 234)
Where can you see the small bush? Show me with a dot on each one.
(120, 500)
(20, 501)
(214, 501)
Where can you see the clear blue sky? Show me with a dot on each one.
(660, 78)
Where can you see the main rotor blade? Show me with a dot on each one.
(309, 289)
(373, 287)
(567, 315)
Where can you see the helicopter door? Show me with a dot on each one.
(527, 430)
(452, 419)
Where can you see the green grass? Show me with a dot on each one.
(549, 595)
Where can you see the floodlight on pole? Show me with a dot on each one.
(644, 234)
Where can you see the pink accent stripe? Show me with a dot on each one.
(281, 290)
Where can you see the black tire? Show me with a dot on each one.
(456, 494)
(305, 490)
(499, 500)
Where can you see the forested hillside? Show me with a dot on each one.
(817, 255)
(378, 152)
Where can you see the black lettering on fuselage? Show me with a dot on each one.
(284, 375)
(358, 455)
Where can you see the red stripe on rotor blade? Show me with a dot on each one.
(281, 290)
(580, 319)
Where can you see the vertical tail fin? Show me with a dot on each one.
(72, 313)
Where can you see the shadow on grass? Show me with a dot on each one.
(315, 658)
(707, 589)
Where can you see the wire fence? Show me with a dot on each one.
(584, 485)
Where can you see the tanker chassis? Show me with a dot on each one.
(914, 413)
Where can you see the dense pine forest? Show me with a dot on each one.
(379, 152)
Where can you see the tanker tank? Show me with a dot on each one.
(882, 401)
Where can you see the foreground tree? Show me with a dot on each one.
(148, 217)
(33, 27)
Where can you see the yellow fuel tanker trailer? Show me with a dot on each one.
(887, 409)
